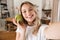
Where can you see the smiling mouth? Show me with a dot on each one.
(30, 16)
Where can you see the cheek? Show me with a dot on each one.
(24, 16)
(34, 14)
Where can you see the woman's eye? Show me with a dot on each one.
(24, 12)
(30, 9)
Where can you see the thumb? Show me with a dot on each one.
(14, 21)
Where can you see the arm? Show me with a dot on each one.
(53, 31)
(17, 36)
(20, 36)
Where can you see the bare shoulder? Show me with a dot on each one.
(53, 31)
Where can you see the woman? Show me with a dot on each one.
(31, 29)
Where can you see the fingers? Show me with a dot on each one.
(20, 25)
(14, 21)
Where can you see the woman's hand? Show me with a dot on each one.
(14, 21)
(22, 26)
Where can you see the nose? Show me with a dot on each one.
(28, 13)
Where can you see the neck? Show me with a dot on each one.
(30, 23)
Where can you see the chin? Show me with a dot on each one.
(29, 21)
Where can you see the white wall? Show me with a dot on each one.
(59, 11)
(10, 5)
(47, 4)
(37, 2)
(54, 13)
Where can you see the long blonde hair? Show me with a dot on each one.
(26, 2)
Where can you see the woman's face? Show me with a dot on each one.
(28, 12)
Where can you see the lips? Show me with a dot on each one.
(30, 16)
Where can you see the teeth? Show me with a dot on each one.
(30, 16)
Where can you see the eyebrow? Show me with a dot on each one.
(31, 7)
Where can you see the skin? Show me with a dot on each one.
(53, 31)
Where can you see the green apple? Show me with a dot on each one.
(19, 18)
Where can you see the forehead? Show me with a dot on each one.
(27, 6)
